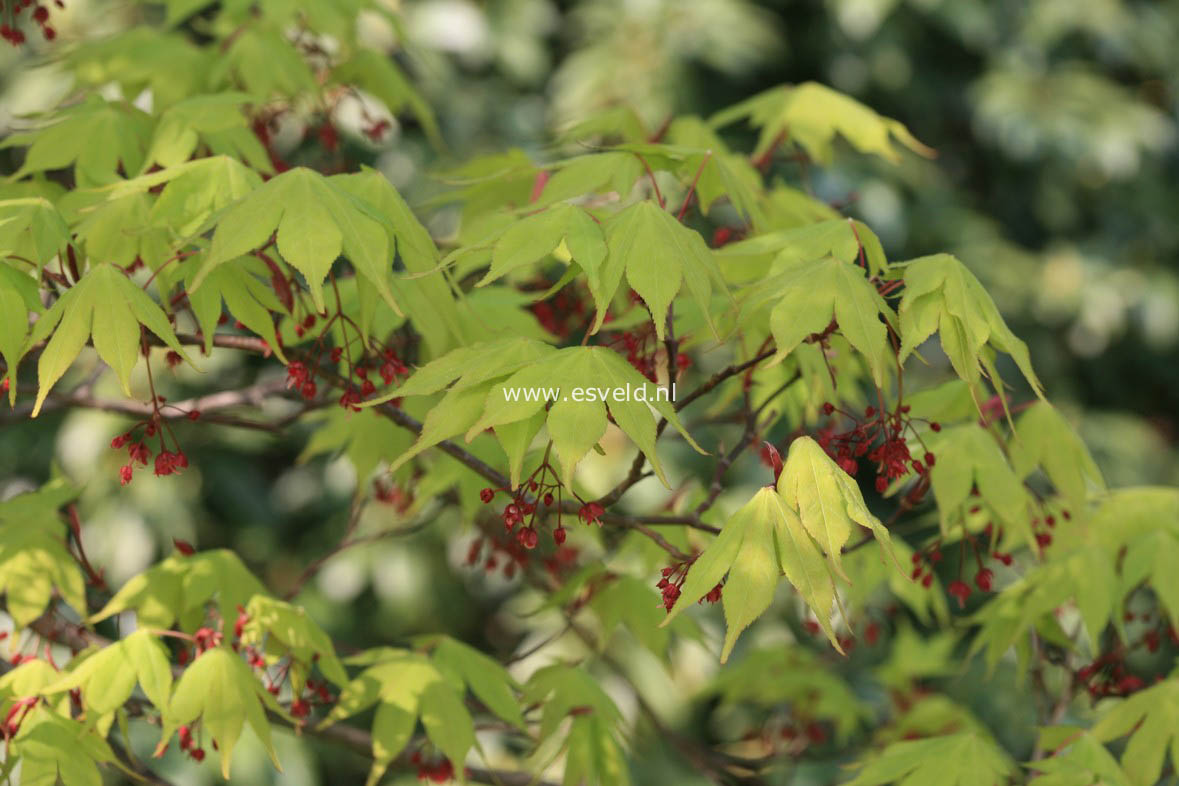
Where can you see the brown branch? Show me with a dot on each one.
(253, 396)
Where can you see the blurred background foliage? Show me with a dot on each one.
(1056, 180)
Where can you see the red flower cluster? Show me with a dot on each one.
(887, 431)
(671, 582)
(168, 463)
(562, 313)
(439, 771)
(188, 745)
(400, 499)
(11, 33)
(299, 378)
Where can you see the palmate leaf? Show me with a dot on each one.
(1080, 761)
(633, 603)
(718, 172)
(264, 63)
(942, 295)
(808, 295)
(810, 115)
(1044, 438)
(215, 121)
(967, 758)
(34, 560)
(179, 587)
(845, 239)
(594, 754)
(828, 501)
(118, 230)
(18, 298)
(425, 294)
(1151, 719)
(969, 458)
(630, 399)
(314, 221)
(612, 171)
(760, 542)
(168, 64)
(107, 307)
(366, 438)
(98, 137)
(537, 235)
(407, 686)
(32, 229)
(796, 677)
(53, 748)
(658, 254)
(280, 630)
(1084, 575)
(249, 299)
(193, 192)
(108, 676)
(485, 375)
(484, 677)
(219, 689)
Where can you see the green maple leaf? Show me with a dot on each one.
(475, 400)
(314, 221)
(425, 292)
(967, 758)
(611, 171)
(32, 229)
(796, 677)
(658, 254)
(1151, 719)
(811, 114)
(53, 748)
(1044, 438)
(18, 298)
(629, 601)
(280, 629)
(808, 295)
(1080, 760)
(759, 543)
(717, 171)
(120, 229)
(842, 238)
(108, 308)
(180, 586)
(573, 424)
(594, 754)
(215, 121)
(265, 63)
(249, 298)
(108, 676)
(537, 235)
(942, 295)
(484, 677)
(34, 560)
(405, 687)
(193, 192)
(98, 137)
(219, 689)
(827, 500)
(367, 438)
(969, 458)
(1084, 575)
